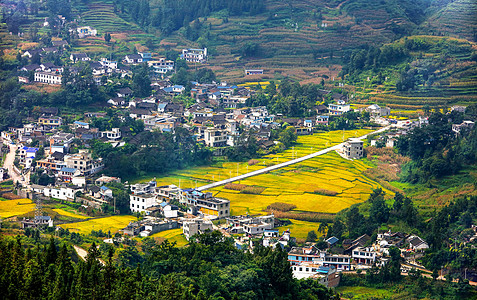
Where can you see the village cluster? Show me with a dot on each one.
(216, 119)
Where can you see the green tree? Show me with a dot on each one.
(141, 84)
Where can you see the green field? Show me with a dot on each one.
(364, 293)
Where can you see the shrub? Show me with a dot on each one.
(235, 186)
(256, 190)
(325, 192)
(253, 162)
(279, 206)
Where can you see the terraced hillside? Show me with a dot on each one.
(101, 16)
(296, 39)
(443, 71)
(458, 19)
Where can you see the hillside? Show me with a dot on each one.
(437, 71)
(458, 19)
(301, 39)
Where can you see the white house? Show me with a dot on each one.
(338, 109)
(194, 55)
(86, 31)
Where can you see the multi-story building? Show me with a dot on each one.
(364, 255)
(112, 134)
(48, 77)
(214, 137)
(84, 162)
(195, 226)
(194, 55)
(141, 202)
(161, 66)
(50, 122)
(26, 155)
(208, 204)
(311, 254)
(339, 262)
(353, 148)
(338, 109)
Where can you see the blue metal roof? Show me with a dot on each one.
(68, 170)
(332, 240)
(81, 123)
(104, 188)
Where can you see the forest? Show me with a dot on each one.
(172, 15)
(209, 268)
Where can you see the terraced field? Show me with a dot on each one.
(456, 19)
(112, 224)
(297, 184)
(11, 208)
(101, 16)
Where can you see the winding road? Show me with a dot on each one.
(282, 165)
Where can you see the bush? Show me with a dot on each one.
(325, 192)
(279, 206)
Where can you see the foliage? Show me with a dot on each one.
(436, 151)
(207, 269)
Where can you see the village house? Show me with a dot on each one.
(364, 255)
(353, 148)
(86, 31)
(338, 109)
(326, 276)
(124, 92)
(322, 120)
(194, 55)
(254, 72)
(27, 155)
(416, 243)
(161, 66)
(63, 192)
(50, 122)
(207, 204)
(48, 77)
(84, 162)
(76, 57)
(133, 59)
(113, 134)
(191, 227)
(141, 202)
(464, 125)
(376, 111)
(148, 226)
(251, 225)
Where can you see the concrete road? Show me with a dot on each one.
(281, 165)
(24, 179)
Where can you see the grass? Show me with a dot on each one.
(358, 292)
(173, 235)
(106, 224)
(11, 208)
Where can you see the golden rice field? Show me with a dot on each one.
(69, 214)
(173, 235)
(10, 208)
(112, 224)
(294, 184)
(300, 229)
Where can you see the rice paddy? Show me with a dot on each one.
(295, 184)
(11, 208)
(112, 224)
(174, 235)
(69, 214)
